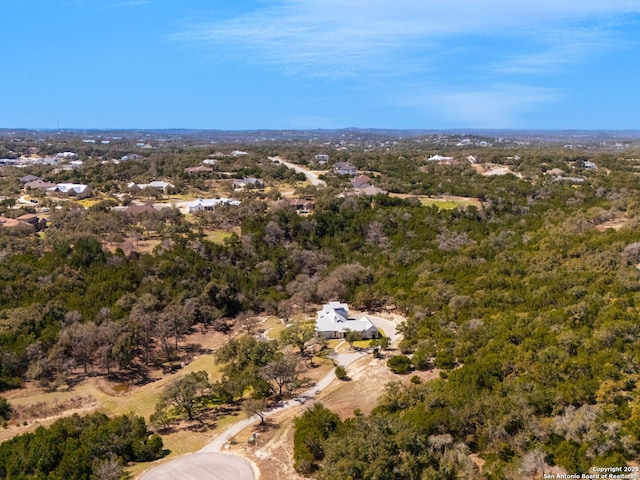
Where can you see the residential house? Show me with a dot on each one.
(247, 182)
(361, 181)
(16, 226)
(78, 190)
(345, 168)
(37, 222)
(362, 186)
(333, 322)
(209, 204)
(301, 205)
(135, 209)
(198, 169)
(28, 178)
(66, 156)
(155, 185)
(439, 158)
(322, 158)
(38, 185)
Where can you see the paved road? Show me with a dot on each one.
(203, 466)
(312, 177)
(213, 463)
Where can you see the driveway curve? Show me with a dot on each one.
(202, 466)
(213, 463)
(312, 177)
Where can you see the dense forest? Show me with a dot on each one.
(528, 304)
(81, 448)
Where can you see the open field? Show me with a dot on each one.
(445, 202)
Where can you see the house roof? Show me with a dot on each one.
(28, 178)
(210, 203)
(439, 158)
(69, 188)
(334, 317)
(300, 202)
(198, 169)
(333, 312)
(155, 184)
(361, 181)
(134, 210)
(27, 217)
(15, 223)
(39, 185)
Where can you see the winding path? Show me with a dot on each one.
(312, 177)
(213, 463)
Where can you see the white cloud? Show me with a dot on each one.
(500, 106)
(336, 38)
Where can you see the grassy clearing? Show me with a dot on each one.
(442, 204)
(273, 326)
(217, 236)
(445, 203)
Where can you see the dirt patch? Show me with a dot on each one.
(616, 224)
(491, 169)
(272, 450)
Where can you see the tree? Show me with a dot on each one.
(283, 372)
(6, 410)
(352, 336)
(299, 335)
(143, 316)
(341, 372)
(399, 364)
(184, 394)
(255, 406)
(311, 430)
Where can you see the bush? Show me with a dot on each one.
(406, 346)
(400, 364)
(341, 372)
(422, 359)
(6, 410)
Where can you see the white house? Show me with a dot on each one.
(333, 322)
(209, 204)
(155, 185)
(79, 190)
(439, 158)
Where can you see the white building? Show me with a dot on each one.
(439, 158)
(333, 322)
(209, 204)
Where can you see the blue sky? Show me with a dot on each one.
(280, 64)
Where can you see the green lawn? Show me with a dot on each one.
(218, 236)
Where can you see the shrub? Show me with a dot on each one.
(341, 372)
(399, 364)
(6, 410)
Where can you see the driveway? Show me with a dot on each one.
(202, 466)
(213, 463)
(312, 177)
